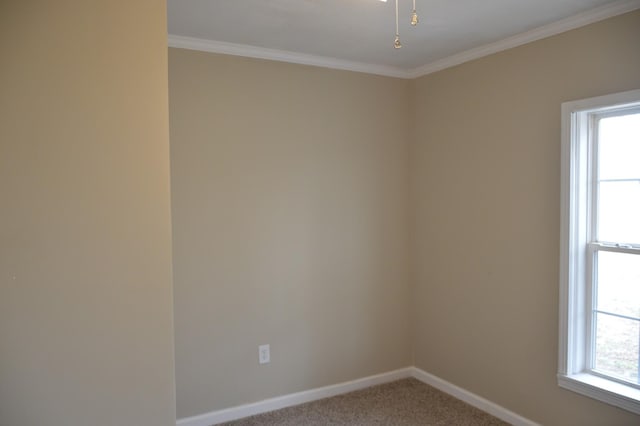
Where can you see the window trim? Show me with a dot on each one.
(575, 298)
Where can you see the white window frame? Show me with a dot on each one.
(575, 256)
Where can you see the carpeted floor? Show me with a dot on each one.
(406, 402)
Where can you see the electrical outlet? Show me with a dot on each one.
(264, 354)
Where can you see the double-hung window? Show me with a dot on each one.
(600, 249)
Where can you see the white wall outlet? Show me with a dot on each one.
(264, 354)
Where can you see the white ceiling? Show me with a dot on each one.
(358, 34)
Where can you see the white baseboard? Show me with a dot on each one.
(234, 413)
(471, 398)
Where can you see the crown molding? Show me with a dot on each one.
(576, 21)
(554, 28)
(282, 56)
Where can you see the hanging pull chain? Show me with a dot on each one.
(414, 15)
(396, 43)
(414, 21)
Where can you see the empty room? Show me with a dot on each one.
(319, 212)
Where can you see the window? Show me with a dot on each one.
(600, 249)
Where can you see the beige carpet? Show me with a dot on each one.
(406, 402)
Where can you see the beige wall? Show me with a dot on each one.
(486, 192)
(85, 248)
(290, 194)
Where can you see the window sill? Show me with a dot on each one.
(614, 393)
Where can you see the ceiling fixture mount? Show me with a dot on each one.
(414, 21)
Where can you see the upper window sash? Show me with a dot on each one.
(590, 134)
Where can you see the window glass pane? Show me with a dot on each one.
(619, 211)
(617, 347)
(618, 289)
(619, 147)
